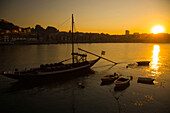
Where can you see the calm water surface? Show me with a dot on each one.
(64, 95)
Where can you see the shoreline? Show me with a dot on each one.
(44, 43)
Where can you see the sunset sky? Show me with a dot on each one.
(107, 16)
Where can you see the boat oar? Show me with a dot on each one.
(98, 56)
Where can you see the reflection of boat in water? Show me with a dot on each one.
(145, 80)
(50, 82)
(110, 78)
(121, 88)
(122, 82)
(143, 63)
(55, 69)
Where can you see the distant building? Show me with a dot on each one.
(136, 35)
(6, 38)
(15, 31)
(127, 32)
(7, 31)
(20, 30)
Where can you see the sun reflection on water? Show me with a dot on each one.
(155, 60)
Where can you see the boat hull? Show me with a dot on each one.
(121, 88)
(69, 72)
(143, 63)
(145, 80)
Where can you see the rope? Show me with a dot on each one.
(75, 27)
(65, 60)
(63, 23)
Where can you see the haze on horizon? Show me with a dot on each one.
(99, 16)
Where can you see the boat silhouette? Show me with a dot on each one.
(79, 63)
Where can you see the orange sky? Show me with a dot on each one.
(107, 16)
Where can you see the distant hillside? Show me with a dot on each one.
(5, 25)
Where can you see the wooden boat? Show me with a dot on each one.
(143, 63)
(50, 71)
(117, 89)
(131, 65)
(56, 69)
(145, 80)
(110, 78)
(122, 82)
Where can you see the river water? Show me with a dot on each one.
(65, 96)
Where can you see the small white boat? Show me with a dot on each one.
(109, 78)
(122, 82)
(145, 80)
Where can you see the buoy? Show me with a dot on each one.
(81, 85)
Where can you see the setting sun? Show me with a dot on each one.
(157, 29)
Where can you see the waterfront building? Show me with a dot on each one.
(127, 32)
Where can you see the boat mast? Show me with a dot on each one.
(72, 41)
